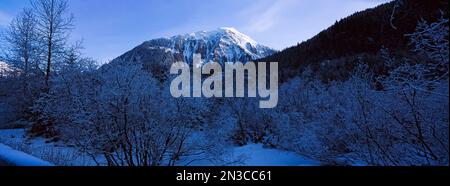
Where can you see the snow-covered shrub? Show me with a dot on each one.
(130, 119)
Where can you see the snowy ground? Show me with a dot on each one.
(9, 156)
(249, 155)
(254, 155)
(257, 155)
(38, 147)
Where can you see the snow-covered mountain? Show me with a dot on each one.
(220, 45)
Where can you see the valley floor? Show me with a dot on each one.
(260, 156)
(58, 154)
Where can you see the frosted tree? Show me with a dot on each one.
(53, 26)
(130, 121)
(22, 52)
(431, 40)
(416, 98)
(21, 38)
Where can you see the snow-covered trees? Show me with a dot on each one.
(22, 55)
(355, 122)
(416, 97)
(35, 41)
(431, 40)
(53, 25)
(22, 41)
(124, 117)
(74, 90)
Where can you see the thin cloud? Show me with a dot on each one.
(264, 17)
(5, 19)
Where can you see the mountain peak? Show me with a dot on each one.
(225, 33)
(220, 45)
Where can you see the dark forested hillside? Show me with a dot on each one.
(333, 51)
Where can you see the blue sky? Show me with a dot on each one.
(112, 27)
